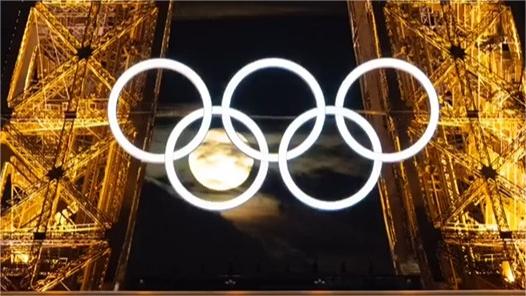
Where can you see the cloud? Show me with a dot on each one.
(328, 153)
(262, 207)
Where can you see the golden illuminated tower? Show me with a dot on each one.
(471, 194)
(67, 188)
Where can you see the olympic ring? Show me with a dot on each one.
(187, 195)
(158, 64)
(263, 155)
(320, 204)
(433, 104)
(286, 65)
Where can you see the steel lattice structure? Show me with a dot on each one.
(63, 178)
(472, 175)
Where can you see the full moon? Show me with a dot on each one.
(217, 164)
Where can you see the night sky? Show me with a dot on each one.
(273, 234)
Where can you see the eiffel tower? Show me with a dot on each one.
(67, 187)
(466, 191)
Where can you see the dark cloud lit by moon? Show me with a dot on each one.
(217, 164)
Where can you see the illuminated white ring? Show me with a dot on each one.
(433, 105)
(159, 64)
(281, 64)
(190, 197)
(322, 204)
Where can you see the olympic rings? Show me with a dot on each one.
(263, 155)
